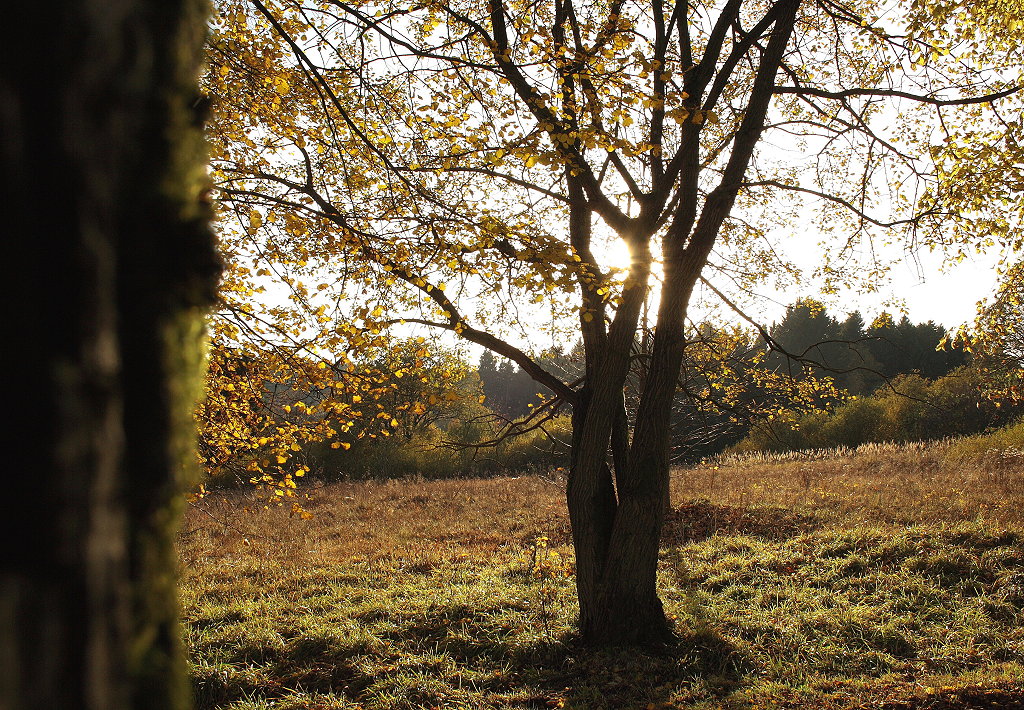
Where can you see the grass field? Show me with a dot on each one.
(890, 577)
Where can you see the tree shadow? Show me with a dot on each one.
(698, 520)
(433, 655)
(638, 677)
(560, 671)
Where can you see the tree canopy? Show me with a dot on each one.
(469, 167)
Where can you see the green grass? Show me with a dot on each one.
(436, 595)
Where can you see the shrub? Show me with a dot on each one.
(908, 408)
(432, 453)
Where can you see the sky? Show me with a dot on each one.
(930, 290)
(948, 298)
(930, 287)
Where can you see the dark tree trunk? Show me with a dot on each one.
(592, 511)
(617, 530)
(110, 268)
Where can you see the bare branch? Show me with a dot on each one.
(861, 214)
(921, 98)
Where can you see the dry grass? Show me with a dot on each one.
(423, 521)
(876, 483)
(413, 522)
(890, 577)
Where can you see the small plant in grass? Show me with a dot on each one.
(547, 566)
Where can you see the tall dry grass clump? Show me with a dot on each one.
(971, 478)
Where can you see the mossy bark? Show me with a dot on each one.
(111, 269)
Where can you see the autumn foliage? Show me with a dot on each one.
(488, 171)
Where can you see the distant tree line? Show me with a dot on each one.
(511, 392)
(908, 408)
(732, 381)
(859, 357)
(421, 409)
(900, 381)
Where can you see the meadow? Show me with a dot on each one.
(885, 577)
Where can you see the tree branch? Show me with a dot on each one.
(921, 98)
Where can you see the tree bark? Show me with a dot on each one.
(103, 168)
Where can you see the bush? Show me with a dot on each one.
(908, 408)
(432, 453)
(1008, 439)
(851, 425)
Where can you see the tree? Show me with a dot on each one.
(860, 367)
(859, 359)
(810, 334)
(902, 347)
(727, 385)
(511, 392)
(103, 166)
(436, 161)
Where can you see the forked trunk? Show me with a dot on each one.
(629, 610)
(616, 538)
(617, 526)
(592, 512)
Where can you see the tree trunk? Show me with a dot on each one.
(617, 532)
(102, 169)
(592, 511)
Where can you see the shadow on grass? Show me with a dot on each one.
(561, 672)
(696, 521)
(434, 656)
(475, 636)
(316, 664)
(1005, 696)
(632, 677)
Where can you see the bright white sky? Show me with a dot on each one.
(923, 285)
(948, 296)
